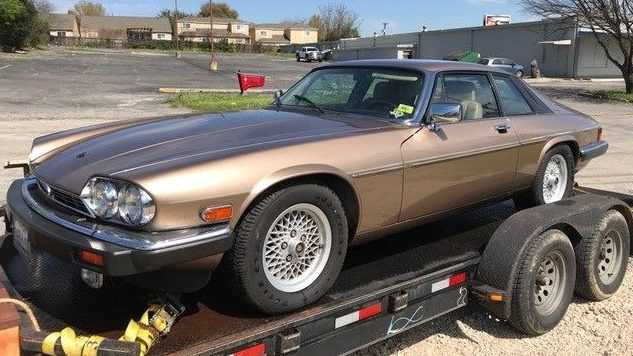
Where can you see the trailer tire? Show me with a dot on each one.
(602, 257)
(267, 227)
(549, 262)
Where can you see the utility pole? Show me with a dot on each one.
(213, 64)
(176, 31)
(384, 28)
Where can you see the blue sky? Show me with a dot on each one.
(402, 16)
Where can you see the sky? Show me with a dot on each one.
(401, 16)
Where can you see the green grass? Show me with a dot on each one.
(282, 54)
(219, 102)
(613, 95)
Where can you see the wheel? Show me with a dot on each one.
(603, 258)
(554, 179)
(289, 248)
(544, 283)
(519, 73)
(298, 59)
(320, 60)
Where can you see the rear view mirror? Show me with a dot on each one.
(445, 113)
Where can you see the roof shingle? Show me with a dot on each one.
(96, 23)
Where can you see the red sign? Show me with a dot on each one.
(250, 81)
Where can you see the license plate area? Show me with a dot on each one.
(21, 239)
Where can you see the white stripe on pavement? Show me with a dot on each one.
(7, 66)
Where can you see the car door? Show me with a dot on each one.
(467, 161)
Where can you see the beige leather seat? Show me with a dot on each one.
(464, 93)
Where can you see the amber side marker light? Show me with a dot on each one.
(495, 297)
(91, 258)
(217, 213)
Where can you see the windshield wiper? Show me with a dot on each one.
(301, 97)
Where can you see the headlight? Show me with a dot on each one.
(135, 206)
(117, 200)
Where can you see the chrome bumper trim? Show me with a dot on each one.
(138, 240)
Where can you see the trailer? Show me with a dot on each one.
(386, 287)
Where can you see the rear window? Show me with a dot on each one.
(483, 61)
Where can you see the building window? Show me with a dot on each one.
(263, 33)
(186, 25)
(160, 36)
(307, 33)
(61, 33)
(238, 27)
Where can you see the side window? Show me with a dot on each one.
(472, 91)
(497, 61)
(512, 100)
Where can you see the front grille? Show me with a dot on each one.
(68, 200)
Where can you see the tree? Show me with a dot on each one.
(335, 21)
(220, 9)
(17, 18)
(87, 8)
(44, 6)
(172, 16)
(610, 21)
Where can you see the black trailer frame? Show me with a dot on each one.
(343, 325)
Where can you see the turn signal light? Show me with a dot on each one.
(91, 258)
(600, 134)
(217, 213)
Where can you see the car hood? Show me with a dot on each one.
(189, 140)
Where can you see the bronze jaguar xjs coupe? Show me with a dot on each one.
(274, 197)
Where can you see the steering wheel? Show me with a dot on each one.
(383, 103)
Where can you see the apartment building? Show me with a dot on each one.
(284, 33)
(198, 29)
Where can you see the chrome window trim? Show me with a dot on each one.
(137, 240)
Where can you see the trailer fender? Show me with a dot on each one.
(576, 217)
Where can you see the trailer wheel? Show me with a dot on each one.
(289, 248)
(603, 258)
(544, 283)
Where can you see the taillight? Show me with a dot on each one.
(599, 133)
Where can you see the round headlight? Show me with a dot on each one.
(135, 206)
(101, 196)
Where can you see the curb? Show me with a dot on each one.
(207, 90)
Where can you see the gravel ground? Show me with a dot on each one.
(57, 90)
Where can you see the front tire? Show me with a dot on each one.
(554, 179)
(289, 248)
(544, 283)
(603, 257)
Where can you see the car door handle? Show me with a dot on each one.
(502, 128)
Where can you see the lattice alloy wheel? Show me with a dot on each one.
(296, 247)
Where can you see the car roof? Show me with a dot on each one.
(424, 65)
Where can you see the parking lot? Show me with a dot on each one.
(59, 89)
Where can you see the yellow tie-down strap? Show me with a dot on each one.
(153, 324)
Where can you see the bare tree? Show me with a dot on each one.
(44, 6)
(87, 8)
(335, 21)
(610, 21)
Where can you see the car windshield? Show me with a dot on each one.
(383, 93)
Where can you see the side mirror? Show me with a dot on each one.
(443, 113)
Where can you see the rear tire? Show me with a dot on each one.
(553, 181)
(289, 248)
(603, 258)
(519, 73)
(544, 283)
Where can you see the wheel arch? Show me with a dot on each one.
(568, 140)
(332, 177)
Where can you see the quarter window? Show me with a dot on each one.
(512, 100)
(472, 91)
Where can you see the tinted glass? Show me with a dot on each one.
(483, 61)
(497, 61)
(512, 100)
(472, 91)
(383, 93)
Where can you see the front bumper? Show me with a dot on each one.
(124, 252)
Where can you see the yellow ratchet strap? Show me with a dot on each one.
(72, 344)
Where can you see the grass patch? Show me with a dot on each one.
(219, 102)
(282, 54)
(612, 95)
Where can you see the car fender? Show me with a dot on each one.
(577, 217)
(557, 140)
(289, 173)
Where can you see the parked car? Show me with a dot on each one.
(504, 64)
(354, 151)
(309, 54)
